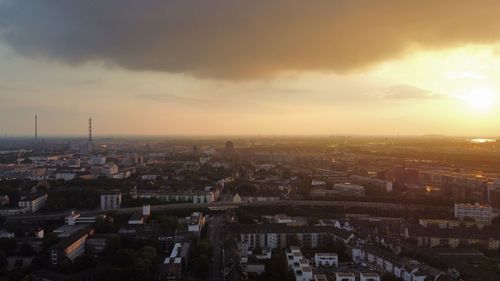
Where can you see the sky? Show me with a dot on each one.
(235, 67)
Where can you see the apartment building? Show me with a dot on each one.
(33, 201)
(281, 235)
(476, 212)
(299, 265)
(326, 259)
(406, 269)
(71, 247)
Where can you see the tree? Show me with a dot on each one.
(312, 221)
(168, 223)
(25, 250)
(112, 245)
(124, 258)
(203, 247)
(84, 262)
(3, 262)
(202, 266)
(8, 245)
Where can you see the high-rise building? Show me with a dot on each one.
(228, 148)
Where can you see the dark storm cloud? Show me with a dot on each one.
(236, 39)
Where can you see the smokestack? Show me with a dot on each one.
(36, 128)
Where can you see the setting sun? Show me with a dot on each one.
(481, 99)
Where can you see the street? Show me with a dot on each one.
(215, 235)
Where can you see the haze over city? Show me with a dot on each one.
(237, 140)
(250, 67)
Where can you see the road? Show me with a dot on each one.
(181, 206)
(215, 235)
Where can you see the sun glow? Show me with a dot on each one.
(481, 99)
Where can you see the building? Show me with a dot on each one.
(451, 223)
(453, 238)
(345, 276)
(441, 178)
(299, 265)
(175, 265)
(493, 192)
(97, 160)
(369, 276)
(109, 169)
(407, 269)
(280, 236)
(136, 218)
(228, 147)
(71, 247)
(320, 277)
(4, 200)
(196, 197)
(326, 259)
(476, 212)
(196, 223)
(96, 244)
(111, 201)
(33, 202)
(348, 189)
(382, 184)
(76, 218)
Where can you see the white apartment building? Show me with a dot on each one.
(111, 201)
(326, 259)
(33, 202)
(298, 264)
(475, 211)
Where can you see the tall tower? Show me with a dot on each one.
(90, 129)
(90, 142)
(36, 128)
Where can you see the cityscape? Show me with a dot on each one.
(249, 140)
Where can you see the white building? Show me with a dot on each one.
(76, 218)
(109, 169)
(369, 276)
(203, 197)
(475, 211)
(326, 259)
(298, 264)
(111, 201)
(196, 222)
(33, 202)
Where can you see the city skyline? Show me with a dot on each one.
(259, 68)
